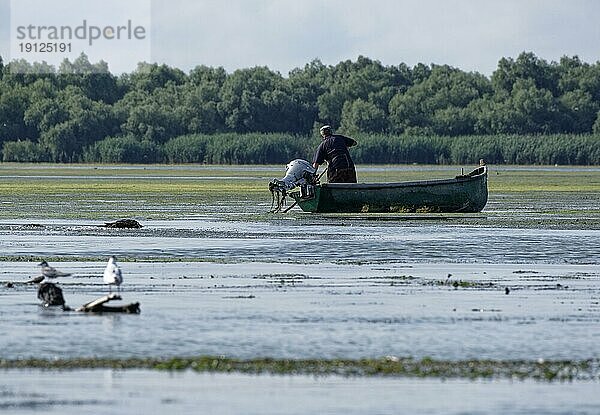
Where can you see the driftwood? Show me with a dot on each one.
(97, 306)
(51, 295)
(124, 224)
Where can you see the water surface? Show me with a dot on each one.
(216, 275)
(139, 391)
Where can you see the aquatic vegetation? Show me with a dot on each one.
(76, 258)
(330, 313)
(557, 196)
(541, 370)
(461, 283)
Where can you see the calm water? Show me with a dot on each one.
(307, 240)
(355, 289)
(302, 286)
(325, 310)
(145, 392)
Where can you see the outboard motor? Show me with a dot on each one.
(298, 173)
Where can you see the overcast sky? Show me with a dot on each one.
(283, 34)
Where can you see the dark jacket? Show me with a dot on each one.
(334, 150)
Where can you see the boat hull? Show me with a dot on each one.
(466, 193)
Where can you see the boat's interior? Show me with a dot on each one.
(479, 171)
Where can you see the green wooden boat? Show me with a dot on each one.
(465, 193)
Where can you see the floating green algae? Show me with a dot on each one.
(549, 371)
(519, 196)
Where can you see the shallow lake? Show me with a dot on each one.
(224, 278)
(149, 392)
(305, 309)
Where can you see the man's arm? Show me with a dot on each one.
(350, 142)
(319, 157)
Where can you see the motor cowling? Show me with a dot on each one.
(298, 173)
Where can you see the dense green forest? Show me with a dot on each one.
(528, 111)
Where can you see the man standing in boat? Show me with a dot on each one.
(334, 150)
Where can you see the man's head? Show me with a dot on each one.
(325, 131)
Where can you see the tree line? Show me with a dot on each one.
(81, 112)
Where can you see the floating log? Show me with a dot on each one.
(132, 308)
(99, 301)
(124, 224)
(97, 306)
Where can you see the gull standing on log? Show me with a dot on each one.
(112, 274)
(51, 272)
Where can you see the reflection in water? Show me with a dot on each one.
(111, 322)
(147, 392)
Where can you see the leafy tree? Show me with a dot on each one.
(82, 66)
(207, 76)
(200, 98)
(331, 105)
(257, 100)
(14, 101)
(590, 81)
(362, 116)
(365, 79)
(154, 116)
(63, 115)
(420, 73)
(525, 110)
(570, 72)
(306, 85)
(527, 66)
(201, 114)
(447, 89)
(581, 111)
(148, 77)
(79, 122)
(453, 121)
(596, 126)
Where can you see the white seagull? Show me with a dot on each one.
(51, 272)
(112, 274)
